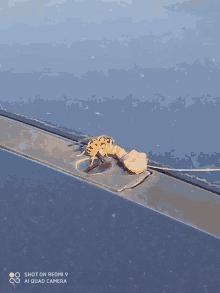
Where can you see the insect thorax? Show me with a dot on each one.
(102, 145)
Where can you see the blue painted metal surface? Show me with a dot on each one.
(53, 222)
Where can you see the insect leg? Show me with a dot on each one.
(87, 138)
(93, 158)
(81, 154)
(108, 137)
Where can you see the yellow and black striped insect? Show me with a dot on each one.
(103, 146)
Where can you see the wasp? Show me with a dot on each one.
(103, 146)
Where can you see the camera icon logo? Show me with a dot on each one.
(14, 277)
